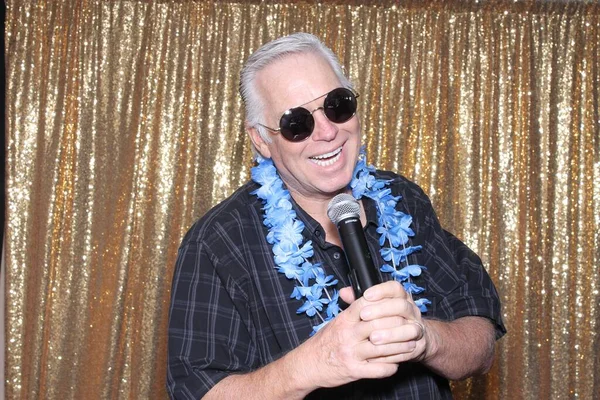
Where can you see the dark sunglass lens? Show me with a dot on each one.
(340, 105)
(296, 124)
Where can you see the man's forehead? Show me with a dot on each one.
(299, 77)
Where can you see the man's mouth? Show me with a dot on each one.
(327, 158)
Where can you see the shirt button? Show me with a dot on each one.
(336, 255)
(317, 233)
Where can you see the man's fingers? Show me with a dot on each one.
(407, 332)
(347, 295)
(369, 351)
(378, 370)
(387, 308)
(396, 358)
(386, 289)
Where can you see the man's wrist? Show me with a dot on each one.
(432, 340)
(297, 373)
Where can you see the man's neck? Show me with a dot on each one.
(316, 207)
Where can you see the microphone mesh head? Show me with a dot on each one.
(343, 206)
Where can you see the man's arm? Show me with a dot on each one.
(338, 354)
(277, 380)
(455, 349)
(212, 353)
(368, 340)
(460, 348)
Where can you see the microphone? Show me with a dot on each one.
(344, 212)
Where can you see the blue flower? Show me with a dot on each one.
(389, 216)
(333, 308)
(309, 271)
(283, 251)
(387, 253)
(397, 234)
(361, 184)
(395, 239)
(265, 172)
(404, 273)
(395, 273)
(300, 292)
(290, 230)
(412, 270)
(305, 252)
(317, 328)
(412, 288)
(287, 252)
(323, 281)
(291, 271)
(391, 201)
(362, 155)
(269, 191)
(279, 214)
(375, 191)
(277, 197)
(278, 217)
(422, 304)
(313, 304)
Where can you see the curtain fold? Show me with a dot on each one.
(124, 125)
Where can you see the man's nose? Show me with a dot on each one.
(324, 128)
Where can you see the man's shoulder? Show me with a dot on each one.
(403, 186)
(230, 215)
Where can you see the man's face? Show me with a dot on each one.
(320, 166)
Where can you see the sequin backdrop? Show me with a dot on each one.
(124, 126)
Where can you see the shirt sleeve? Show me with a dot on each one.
(208, 334)
(456, 281)
(475, 293)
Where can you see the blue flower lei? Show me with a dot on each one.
(292, 257)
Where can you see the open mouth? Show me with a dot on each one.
(327, 158)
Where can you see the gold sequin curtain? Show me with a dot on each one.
(124, 126)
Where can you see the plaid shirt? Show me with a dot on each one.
(231, 311)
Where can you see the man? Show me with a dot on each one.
(261, 272)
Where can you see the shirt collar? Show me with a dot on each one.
(314, 231)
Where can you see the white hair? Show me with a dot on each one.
(273, 51)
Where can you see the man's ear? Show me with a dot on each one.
(259, 143)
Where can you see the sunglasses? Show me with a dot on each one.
(297, 124)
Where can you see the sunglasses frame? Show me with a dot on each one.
(289, 111)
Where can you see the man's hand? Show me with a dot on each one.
(398, 332)
(455, 349)
(368, 340)
(340, 351)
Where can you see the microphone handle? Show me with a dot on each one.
(363, 273)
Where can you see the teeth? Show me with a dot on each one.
(327, 155)
(325, 159)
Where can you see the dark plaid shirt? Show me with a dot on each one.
(231, 311)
